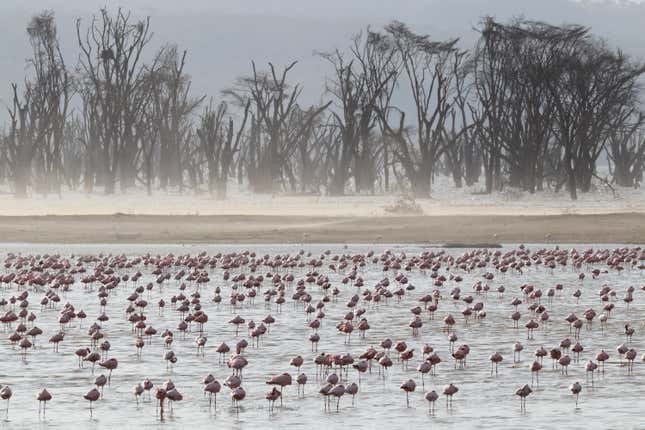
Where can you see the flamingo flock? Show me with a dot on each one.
(416, 318)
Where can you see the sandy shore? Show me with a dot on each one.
(487, 229)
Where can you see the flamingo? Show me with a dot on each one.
(212, 388)
(301, 380)
(43, 397)
(575, 389)
(535, 368)
(431, 397)
(272, 396)
(408, 386)
(281, 381)
(137, 390)
(337, 391)
(92, 396)
(238, 394)
(449, 391)
(495, 359)
(352, 390)
(523, 392)
(5, 394)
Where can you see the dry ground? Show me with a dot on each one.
(439, 229)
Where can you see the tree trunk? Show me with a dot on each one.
(220, 189)
(571, 178)
(20, 183)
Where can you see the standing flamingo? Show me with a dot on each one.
(575, 389)
(272, 396)
(352, 390)
(212, 388)
(408, 386)
(5, 394)
(281, 381)
(495, 359)
(523, 393)
(337, 391)
(602, 356)
(137, 390)
(302, 381)
(238, 394)
(431, 397)
(449, 391)
(535, 368)
(517, 348)
(92, 396)
(43, 397)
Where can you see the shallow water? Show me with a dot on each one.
(483, 400)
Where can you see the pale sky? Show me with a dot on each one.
(222, 37)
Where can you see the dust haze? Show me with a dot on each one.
(292, 110)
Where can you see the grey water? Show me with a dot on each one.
(614, 400)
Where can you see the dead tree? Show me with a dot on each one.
(50, 96)
(219, 142)
(626, 152)
(492, 94)
(591, 85)
(461, 154)
(112, 78)
(147, 135)
(73, 153)
(174, 107)
(527, 126)
(363, 80)
(37, 118)
(21, 142)
(427, 65)
(273, 102)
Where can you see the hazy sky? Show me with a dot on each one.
(223, 36)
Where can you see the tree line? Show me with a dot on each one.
(532, 106)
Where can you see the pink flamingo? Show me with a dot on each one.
(281, 381)
(92, 396)
(431, 397)
(238, 394)
(535, 368)
(212, 388)
(43, 397)
(301, 380)
(523, 393)
(495, 359)
(575, 389)
(408, 386)
(337, 391)
(449, 391)
(5, 394)
(352, 390)
(272, 396)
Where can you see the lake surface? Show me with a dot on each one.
(483, 401)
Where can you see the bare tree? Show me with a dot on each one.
(591, 86)
(533, 104)
(37, 118)
(113, 81)
(219, 143)
(174, 106)
(462, 157)
(626, 151)
(428, 67)
(273, 102)
(363, 80)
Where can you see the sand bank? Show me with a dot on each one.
(440, 229)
